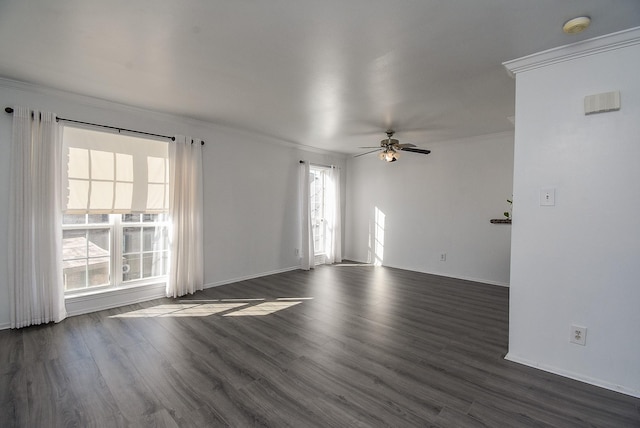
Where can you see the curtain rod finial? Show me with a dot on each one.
(8, 110)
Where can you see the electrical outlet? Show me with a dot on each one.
(443, 257)
(297, 252)
(578, 335)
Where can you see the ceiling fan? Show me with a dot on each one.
(390, 147)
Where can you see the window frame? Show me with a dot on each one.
(320, 171)
(120, 226)
(85, 227)
(116, 227)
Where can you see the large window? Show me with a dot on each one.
(106, 250)
(317, 194)
(115, 230)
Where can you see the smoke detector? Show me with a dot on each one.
(576, 25)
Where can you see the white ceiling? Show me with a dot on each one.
(332, 74)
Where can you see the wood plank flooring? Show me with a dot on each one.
(341, 346)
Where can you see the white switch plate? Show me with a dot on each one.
(547, 197)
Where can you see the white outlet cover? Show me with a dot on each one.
(578, 335)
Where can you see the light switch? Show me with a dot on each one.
(547, 197)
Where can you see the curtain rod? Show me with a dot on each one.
(10, 110)
(319, 164)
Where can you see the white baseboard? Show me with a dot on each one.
(572, 375)
(446, 275)
(244, 278)
(86, 303)
(468, 278)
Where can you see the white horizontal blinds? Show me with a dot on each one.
(110, 173)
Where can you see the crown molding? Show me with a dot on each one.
(481, 138)
(100, 103)
(596, 45)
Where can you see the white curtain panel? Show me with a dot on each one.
(307, 253)
(36, 292)
(333, 217)
(186, 267)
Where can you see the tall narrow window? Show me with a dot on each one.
(317, 195)
(115, 230)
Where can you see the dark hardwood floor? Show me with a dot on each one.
(340, 346)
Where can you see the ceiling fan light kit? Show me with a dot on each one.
(389, 155)
(390, 148)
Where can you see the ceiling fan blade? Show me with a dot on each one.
(413, 150)
(369, 147)
(366, 153)
(405, 145)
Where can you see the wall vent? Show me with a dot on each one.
(600, 103)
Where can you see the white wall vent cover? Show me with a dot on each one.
(599, 103)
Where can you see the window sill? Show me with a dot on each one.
(97, 300)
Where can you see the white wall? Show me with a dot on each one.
(578, 261)
(249, 182)
(437, 203)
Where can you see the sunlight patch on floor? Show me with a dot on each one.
(204, 308)
(261, 309)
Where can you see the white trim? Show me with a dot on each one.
(102, 103)
(596, 45)
(446, 275)
(462, 277)
(476, 138)
(247, 277)
(469, 278)
(113, 298)
(572, 375)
